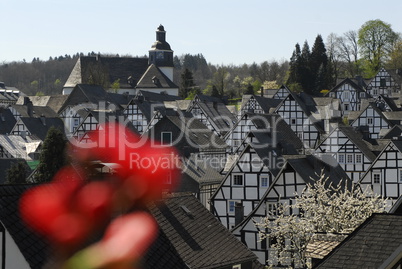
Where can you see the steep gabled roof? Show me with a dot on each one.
(201, 171)
(37, 111)
(155, 97)
(33, 248)
(37, 127)
(351, 83)
(117, 68)
(7, 121)
(357, 139)
(197, 238)
(371, 245)
(155, 78)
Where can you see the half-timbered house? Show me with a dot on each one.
(384, 176)
(371, 121)
(297, 110)
(260, 158)
(257, 104)
(350, 94)
(345, 146)
(143, 106)
(188, 135)
(213, 113)
(36, 127)
(386, 82)
(199, 178)
(296, 173)
(84, 98)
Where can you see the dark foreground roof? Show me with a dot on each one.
(371, 245)
(32, 247)
(197, 239)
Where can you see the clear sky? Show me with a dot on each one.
(225, 32)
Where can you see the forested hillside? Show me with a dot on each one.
(48, 76)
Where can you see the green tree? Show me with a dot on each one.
(215, 92)
(318, 66)
(187, 83)
(376, 40)
(18, 173)
(115, 85)
(249, 90)
(395, 61)
(52, 157)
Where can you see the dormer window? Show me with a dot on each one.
(155, 80)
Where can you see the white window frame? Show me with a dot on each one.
(375, 175)
(400, 175)
(341, 158)
(264, 179)
(237, 266)
(234, 181)
(359, 158)
(349, 158)
(370, 121)
(362, 95)
(232, 206)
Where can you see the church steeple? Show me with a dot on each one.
(161, 54)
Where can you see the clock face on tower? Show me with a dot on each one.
(159, 55)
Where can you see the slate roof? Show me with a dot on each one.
(309, 167)
(54, 102)
(37, 111)
(351, 82)
(197, 132)
(369, 246)
(396, 74)
(92, 94)
(200, 170)
(266, 103)
(7, 121)
(154, 78)
(196, 238)
(321, 244)
(117, 68)
(156, 97)
(32, 247)
(18, 146)
(38, 129)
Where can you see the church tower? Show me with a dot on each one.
(161, 54)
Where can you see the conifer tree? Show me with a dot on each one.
(52, 157)
(187, 82)
(318, 66)
(18, 173)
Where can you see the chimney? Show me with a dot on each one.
(43, 119)
(29, 107)
(239, 213)
(262, 91)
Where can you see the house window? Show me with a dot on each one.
(375, 92)
(349, 158)
(362, 95)
(376, 178)
(370, 121)
(346, 107)
(346, 95)
(341, 158)
(238, 180)
(264, 181)
(292, 121)
(400, 175)
(231, 206)
(237, 266)
(383, 82)
(359, 158)
(236, 142)
(272, 208)
(300, 135)
(166, 138)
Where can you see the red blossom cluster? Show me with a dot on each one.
(79, 203)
